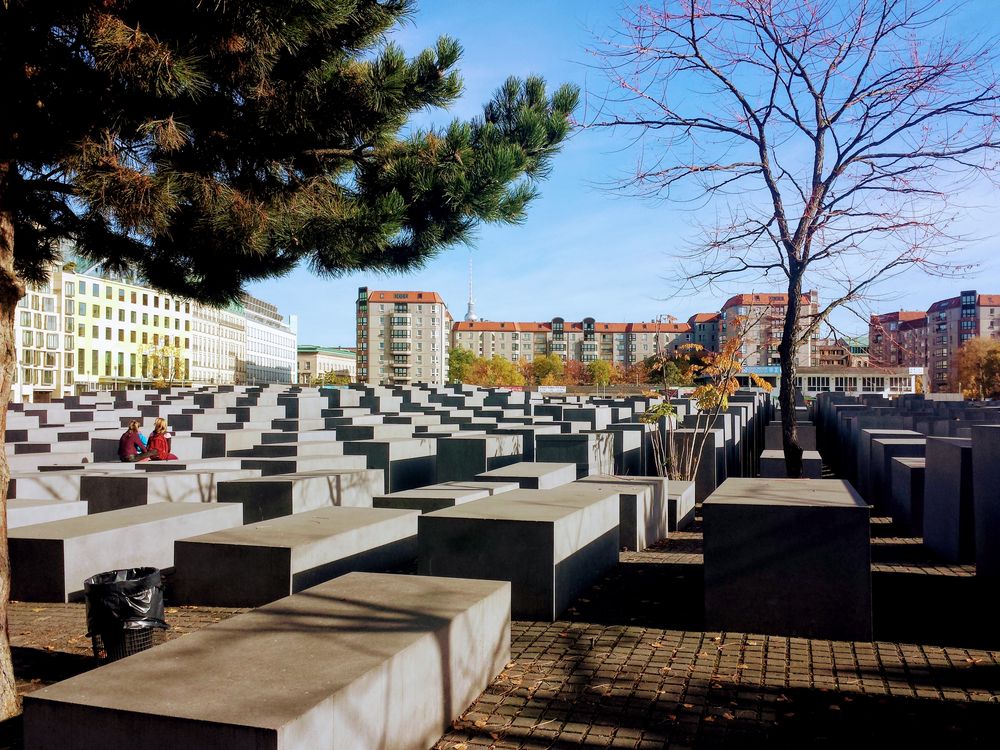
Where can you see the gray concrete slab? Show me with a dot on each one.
(642, 511)
(28, 512)
(533, 475)
(405, 462)
(592, 452)
(286, 494)
(772, 464)
(299, 464)
(248, 566)
(788, 557)
(462, 457)
(949, 525)
(366, 660)
(883, 451)
(907, 507)
(986, 496)
(106, 492)
(550, 544)
(50, 561)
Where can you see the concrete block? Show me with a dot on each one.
(551, 545)
(443, 495)
(405, 462)
(642, 516)
(462, 457)
(772, 464)
(788, 557)
(907, 507)
(863, 472)
(949, 526)
(248, 566)
(592, 452)
(532, 475)
(883, 451)
(106, 492)
(680, 505)
(366, 660)
(50, 561)
(986, 495)
(529, 434)
(264, 498)
(28, 512)
(269, 467)
(806, 432)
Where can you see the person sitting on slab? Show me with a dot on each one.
(131, 446)
(159, 440)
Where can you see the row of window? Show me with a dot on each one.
(95, 312)
(133, 296)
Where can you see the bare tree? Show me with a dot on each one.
(832, 133)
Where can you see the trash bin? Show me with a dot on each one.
(124, 607)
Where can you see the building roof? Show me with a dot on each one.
(914, 323)
(384, 295)
(328, 350)
(703, 318)
(776, 298)
(899, 315)
(989, 300)
(532, 327)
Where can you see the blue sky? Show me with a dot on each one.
(584, 250)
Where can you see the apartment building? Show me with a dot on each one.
(46, 347)
(950, 323)
(218, 344)
(912, 338)
(888, 335)
(121, 333)
(316, 361)
(402, 337)
(705, 330)
(763, 319)
(932, 339)
(841, 352)
(82, 331)
(271, 343)
(585, 341)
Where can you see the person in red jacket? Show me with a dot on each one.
(159, 441)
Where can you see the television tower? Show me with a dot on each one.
(470, 314)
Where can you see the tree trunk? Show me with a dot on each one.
(11, 290)
(786, 399)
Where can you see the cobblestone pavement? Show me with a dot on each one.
(630, 665)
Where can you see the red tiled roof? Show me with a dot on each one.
(899, 315)
(914, 323)
(496, 325)
(703, 318)
(989, 300)
(761, 299)
(382, 295)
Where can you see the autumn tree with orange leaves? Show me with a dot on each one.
(678, 455)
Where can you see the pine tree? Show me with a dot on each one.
(203, 145)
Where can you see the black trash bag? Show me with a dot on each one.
(130, 599)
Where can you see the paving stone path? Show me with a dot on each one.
(629, 666)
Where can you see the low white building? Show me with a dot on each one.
(316, 361)
(855, 381)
